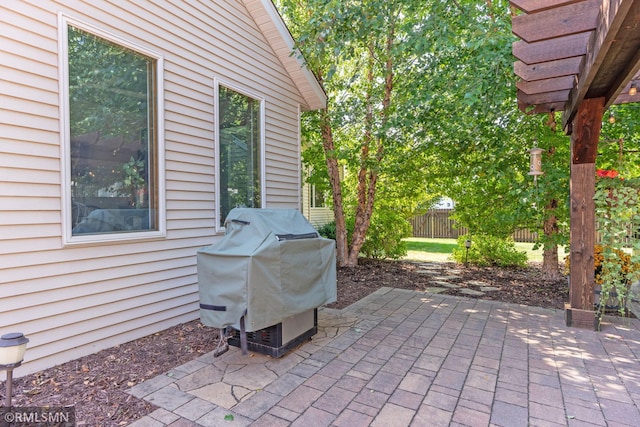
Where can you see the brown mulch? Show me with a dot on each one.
(96, 385)
(525, 286)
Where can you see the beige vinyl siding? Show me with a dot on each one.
(75, 300)
(320, 216)
(316, 216)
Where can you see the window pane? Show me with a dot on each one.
(239, 151)
(317, 199)
(113, 137)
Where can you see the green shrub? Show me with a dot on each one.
(488, 250)
(384, 238)
(328, 230)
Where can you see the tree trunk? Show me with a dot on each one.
(371, 154)
(333, 169)
(550, 252)
(342, 249)
(368, 174)
(366, 177)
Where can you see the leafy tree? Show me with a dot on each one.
(619, 146)
(422, 100)
(482, 139)
(357, 50)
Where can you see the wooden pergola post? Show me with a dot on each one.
(578, 57)
(584, 145)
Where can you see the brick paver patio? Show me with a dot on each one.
(403, 358)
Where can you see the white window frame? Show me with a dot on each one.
(217, 82)
(312, 198)
(64, 22)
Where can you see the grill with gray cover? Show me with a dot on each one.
(270, 267)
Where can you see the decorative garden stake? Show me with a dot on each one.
(467, 244)
(535, 165)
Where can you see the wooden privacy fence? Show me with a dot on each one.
(437, 224)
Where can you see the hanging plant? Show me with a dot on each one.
(618, 258)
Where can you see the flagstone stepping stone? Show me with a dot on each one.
(445, 278)
(471, 292)
(489, 289)
(447, 285)
(434, 290)
(477, 283)
(430, 272)
(430, 266)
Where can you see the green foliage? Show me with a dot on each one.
(360, 53)
(328, 230)
(133, 172)
(618, 213)
(619, 141)
(617, 207)
(488, 250)
(454, 128)
(384, 239)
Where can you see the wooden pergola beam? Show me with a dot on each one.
(547, 70)
(547, 85)
(607, 31)
(560, 21)
(532, 6)
(552, 49)
(542, 98)
(549, 107)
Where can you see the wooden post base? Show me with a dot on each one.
(583, 319)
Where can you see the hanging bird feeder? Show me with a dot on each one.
(535, 165)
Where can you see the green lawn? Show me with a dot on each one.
(421, 249)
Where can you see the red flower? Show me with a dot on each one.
(604, 173)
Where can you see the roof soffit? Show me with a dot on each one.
(266, 16)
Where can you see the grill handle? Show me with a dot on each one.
(296, 236)
(239, 221)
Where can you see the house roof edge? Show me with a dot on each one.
(270, 21)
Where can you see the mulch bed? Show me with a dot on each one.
(526, 286)
(96, 385)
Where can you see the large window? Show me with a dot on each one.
(240, 151)
(113, 137)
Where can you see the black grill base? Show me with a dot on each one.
(269, 340)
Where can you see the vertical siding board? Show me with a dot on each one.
(71, 300)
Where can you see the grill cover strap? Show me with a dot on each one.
(243, 337)
(213, 307)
